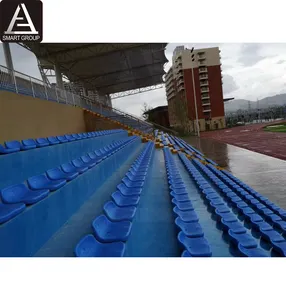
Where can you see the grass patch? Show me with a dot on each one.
(276, 128)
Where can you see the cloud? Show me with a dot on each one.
(249, 55)
(281, 61)
(229, 85)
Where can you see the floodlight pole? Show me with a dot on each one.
(195, 96)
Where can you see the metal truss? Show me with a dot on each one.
(137, 91)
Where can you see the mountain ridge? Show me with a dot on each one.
(243, 104)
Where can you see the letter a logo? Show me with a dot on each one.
(21, 21)
(16, 18)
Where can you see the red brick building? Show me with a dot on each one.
(207, 80)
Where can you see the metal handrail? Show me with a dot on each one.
(21, 83)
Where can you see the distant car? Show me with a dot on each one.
(239, 124)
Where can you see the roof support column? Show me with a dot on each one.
(8, 57)
(59, 77)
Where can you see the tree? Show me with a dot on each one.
(145, 109)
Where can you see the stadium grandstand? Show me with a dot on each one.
(81, 178)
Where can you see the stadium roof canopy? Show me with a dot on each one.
(110, 68)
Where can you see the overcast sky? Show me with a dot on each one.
(250, 71)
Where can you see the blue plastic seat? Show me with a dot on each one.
(106, 231)
(280, 224)
(28, 144)
(241, 205)
(181, 191)
(255, 218)
(42, 142)
(135, 177)
(62, 139)
(180, 198)
(53, 140)
(273, 217)
(252, 252)
(189, 229)
(42, 182)
(222, 209)
(94, 157)
(5, 150)
(280, 247)
(137, 173)
(9, 211)
(248, 211)
(129, 191)
(131, 184)
(81, 136)
(13, 145)
(116, 213)
(76, 136)
(69, 137)
(217, 202)
(176, 182)
(186, 254)
(70, 168)
(57, 174)
(90, 247)
(123, 201)
(245, 239)
(87, 161)
(236, 227)
(21, 193)
(186, 216)
(197, 247)
(228, 216)
(186, 205)
(271, 235)
(177, 185)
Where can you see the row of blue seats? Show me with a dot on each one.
(189, 149)
(275, 208)
(190, 235)
(112, 229)
(264, 229)
(262, 218)
(234, 229)
(15, 146)
(15, 197)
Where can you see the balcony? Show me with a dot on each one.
(206, 103)
(205, 96)
(169, 90)
(171, 95)
(201, 57)
(207, 109)
(203, 77)
(203, 70)
(180, 76)
(180, 81)
(205, 90)
(181, 88)
(202, 63)
(204, 83)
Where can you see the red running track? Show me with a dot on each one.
(252, 137)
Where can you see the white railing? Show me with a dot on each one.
(23, 84)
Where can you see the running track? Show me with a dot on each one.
(252, 137)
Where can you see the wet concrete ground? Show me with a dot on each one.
(265, 174)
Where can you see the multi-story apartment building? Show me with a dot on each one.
(200, 74)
